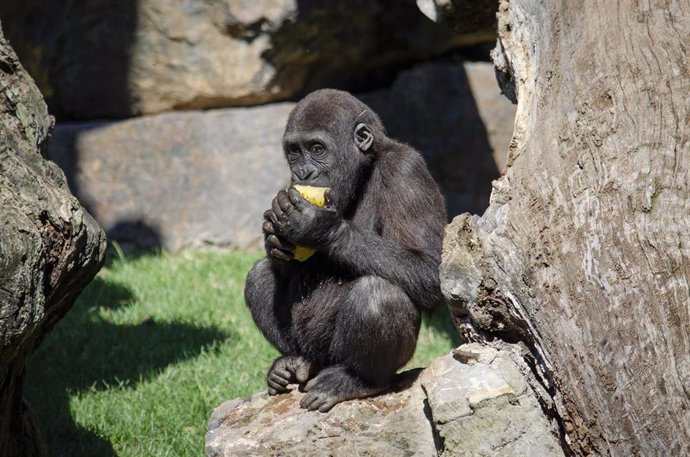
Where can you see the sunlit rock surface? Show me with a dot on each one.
(472, 403)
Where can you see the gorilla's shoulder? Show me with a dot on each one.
(401, 161)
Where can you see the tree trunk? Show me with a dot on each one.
(582, 260)
(50, 248)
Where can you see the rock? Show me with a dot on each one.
(481, 407)
(116, 59)
(463, 16)
(263, 425)
(485, 407)
(495, 110)
(195, 178)
(50, 247)
(178, 179)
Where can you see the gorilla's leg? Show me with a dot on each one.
(375, 334)
(266, 294)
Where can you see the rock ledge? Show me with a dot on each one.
(474, 402)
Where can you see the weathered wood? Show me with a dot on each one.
(50, 248)
(583, 256)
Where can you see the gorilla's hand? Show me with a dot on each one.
(276, 246)
(303, 223)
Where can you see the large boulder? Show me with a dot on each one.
(178, 180)
(194, 178)
(115, 59)
(474, 402)
(50, 248)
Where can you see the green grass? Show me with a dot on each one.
(150, 348)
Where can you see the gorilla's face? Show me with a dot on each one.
(326, 146)
(312, 157)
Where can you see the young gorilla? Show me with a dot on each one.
(347, 318)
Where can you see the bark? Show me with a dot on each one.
(50, 248)
(582, 260)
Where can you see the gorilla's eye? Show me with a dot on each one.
(293, 154)
(317, 150)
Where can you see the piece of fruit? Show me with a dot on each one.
(314, 195)
(317, 197)
(303, 253)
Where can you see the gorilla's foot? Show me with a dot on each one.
(288, 369)
(333, 385)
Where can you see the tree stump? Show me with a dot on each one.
(582, 260)
(50, 248)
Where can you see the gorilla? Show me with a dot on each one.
(347, 318)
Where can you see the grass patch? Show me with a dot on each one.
(151, 347)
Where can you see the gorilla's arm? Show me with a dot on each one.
(366, 253)
(406, 249)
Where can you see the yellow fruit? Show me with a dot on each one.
(317, 197)
(303, 253)
(314, 195)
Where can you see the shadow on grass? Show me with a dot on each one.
(86, 351)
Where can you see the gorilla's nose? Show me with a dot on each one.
(305, 173)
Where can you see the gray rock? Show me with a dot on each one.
(481, 407)
(195, 178)
(116, 59)
(391, 425)
(485, 407)
(178, 179)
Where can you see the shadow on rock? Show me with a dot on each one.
(85, 351)
(78, 52)
(432, 108)
(358, 45)
(135, 236)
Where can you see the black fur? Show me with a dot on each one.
(347, 319)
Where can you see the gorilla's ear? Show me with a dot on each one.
(363, 137)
